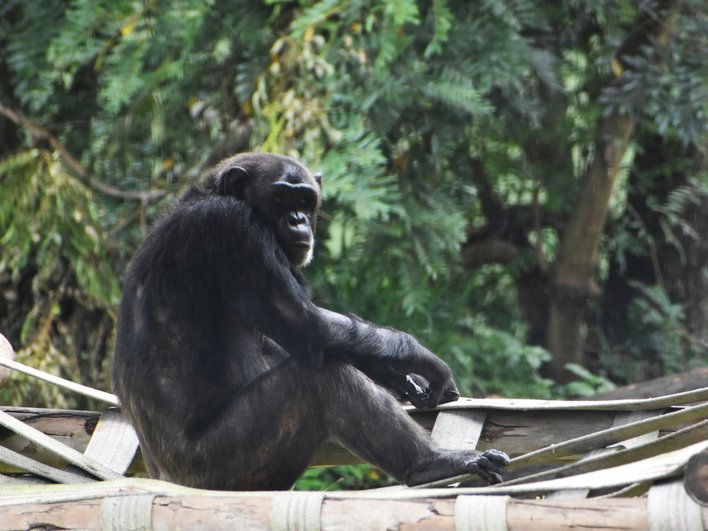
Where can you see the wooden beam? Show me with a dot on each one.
(216, 513)
(515, 432)
(674, 383)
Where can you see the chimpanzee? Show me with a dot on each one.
(230, 373)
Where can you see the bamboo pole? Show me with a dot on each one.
(252, 512)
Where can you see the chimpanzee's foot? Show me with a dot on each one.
(488, 465)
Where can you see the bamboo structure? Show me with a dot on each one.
(342, 513)
(616, 464)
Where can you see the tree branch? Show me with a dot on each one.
(73, 164)
(488, 251)
(491, 206)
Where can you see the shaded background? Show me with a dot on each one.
(522, 185)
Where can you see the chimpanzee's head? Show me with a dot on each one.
(282, 191)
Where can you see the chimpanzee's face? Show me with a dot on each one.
(283, 192)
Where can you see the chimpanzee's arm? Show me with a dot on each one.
(262, 288)
(266, 292)
(390, 357)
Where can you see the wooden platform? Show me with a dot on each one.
(623, 464)
(613, 464)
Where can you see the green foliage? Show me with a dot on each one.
(457, 94)
(356, 158)
(494, 360)
(50, 218)
(51, 236)
(588, 384)
(353, 477)
(443, 22)
(393, 101)
(26, 53)
(656, 329)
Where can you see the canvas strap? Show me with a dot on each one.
(480, 513)
(296, 511)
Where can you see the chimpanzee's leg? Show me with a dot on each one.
(267, 435)
(368, 421)
(262, 440)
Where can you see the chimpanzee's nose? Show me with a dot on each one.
(297, 218)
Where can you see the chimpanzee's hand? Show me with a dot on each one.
(420, 394)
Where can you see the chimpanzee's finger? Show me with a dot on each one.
(449, 393)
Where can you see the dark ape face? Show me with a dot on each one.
(282, 191)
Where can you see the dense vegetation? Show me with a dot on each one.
(523, 185)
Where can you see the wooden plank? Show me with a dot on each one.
(514, 432)
(525, 404)
(251, 513)
(459, 429)
(567, 515)
(620, 420)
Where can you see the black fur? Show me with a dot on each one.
(230, 373)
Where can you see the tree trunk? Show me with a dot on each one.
(572, 280)
(572, 275)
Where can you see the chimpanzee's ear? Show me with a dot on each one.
(232, 181)
(318, 178)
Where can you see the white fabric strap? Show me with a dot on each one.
(459, 429)
(23, 462)
(671, 509)
(114, 442)
(480, 513)
(133, 512)
(296, 511)
(630, 417)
